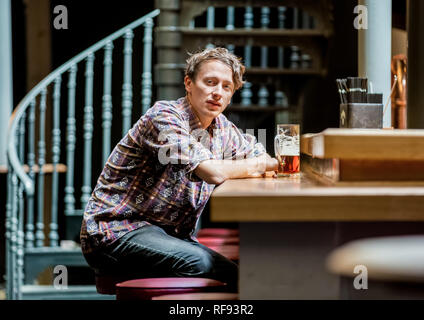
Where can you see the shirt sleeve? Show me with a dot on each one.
(241, 145)
(168, 137)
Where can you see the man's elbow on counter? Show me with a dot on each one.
(215, 180)
(210, 176)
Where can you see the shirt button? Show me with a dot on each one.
(176, 229)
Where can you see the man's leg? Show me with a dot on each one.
(151, 251)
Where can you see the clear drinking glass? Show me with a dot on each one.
(287, 148)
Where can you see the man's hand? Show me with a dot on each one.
(271, 163)
(264, 163)
(271, 167)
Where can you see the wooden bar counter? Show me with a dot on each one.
(302, 199)
(289, 225)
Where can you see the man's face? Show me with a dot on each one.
(211, 91)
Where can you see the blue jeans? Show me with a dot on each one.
(150, 252)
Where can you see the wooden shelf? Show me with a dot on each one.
(282, 71)
(368, 144)
(258, 71)
(253, 32)
(312, 41)
(254, 108)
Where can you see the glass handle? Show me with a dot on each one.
(277, 146)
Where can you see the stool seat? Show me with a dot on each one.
(394, 258)
(217, 232)
(209, 240)
(146, 289)
(106, 283)
(231, 252)
(199, 296)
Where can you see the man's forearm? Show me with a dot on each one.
(217, 171)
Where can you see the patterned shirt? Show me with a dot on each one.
(148, 178)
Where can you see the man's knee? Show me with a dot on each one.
(199, 263)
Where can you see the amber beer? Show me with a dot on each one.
(287, 149)
(288, 164)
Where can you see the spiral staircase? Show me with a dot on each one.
(60, 134)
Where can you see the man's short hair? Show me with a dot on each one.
(195, 60)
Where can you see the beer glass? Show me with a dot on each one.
(287, 148)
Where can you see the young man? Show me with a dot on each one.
(143, 211)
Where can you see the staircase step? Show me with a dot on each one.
(38, 259)
(34, 292)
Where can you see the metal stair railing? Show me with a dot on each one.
(26, 208)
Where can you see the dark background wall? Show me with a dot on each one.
(90, 21)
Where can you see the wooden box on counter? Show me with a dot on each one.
(337, 156)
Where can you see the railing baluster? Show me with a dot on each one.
(146, 93)
(248, 17)
(210, 22)
(107, 101)
(20, 210)
(88, 130)
(70, 143)
(127, 88)
(230, 18)
(15, 223)
(20, 238)
(8, 234)
(265, 17)
(21, 138)
(19, 194)
(231, 48)
(14, 237)
(53, 234)
(29, 236)
(39, 234)
(263, 91)
(210, 18)
(230, 25)
(246, 92)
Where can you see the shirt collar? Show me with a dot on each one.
(192, 117)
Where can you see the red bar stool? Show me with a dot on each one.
(218, 241)
(146, 289)
(217, 232)
(229, 251)
(106, 284)
(199, 296)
